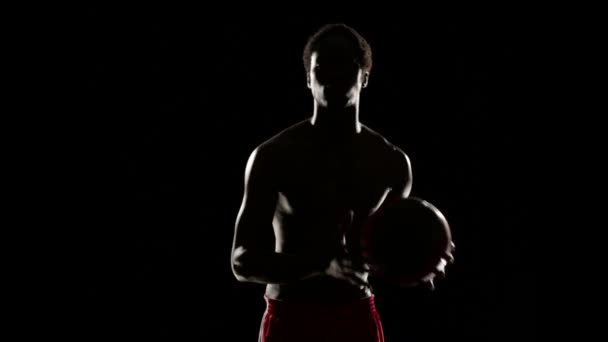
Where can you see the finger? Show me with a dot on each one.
(428, 284)
(346, 263)
(440, 269)
(440, 274)
(362, 276)
(358, 266)
(356, 274)
(449, 257)
(359, 279)
(429, 277)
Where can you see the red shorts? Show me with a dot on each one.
(356, 321)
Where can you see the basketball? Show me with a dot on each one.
(405, 240)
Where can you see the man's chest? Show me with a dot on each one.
(330, 182)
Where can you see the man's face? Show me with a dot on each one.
(335, 77)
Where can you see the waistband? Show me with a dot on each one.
(355, 305)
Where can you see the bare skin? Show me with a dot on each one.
(309, 189)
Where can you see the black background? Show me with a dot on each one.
(178, 97)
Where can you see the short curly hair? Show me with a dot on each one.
(362, 47)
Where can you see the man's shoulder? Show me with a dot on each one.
(284, 137)
(399, 170)
(382, 144)
(273, 145)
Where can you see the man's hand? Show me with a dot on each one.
(344, 266)
(439, 272)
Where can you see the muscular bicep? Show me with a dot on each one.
(401, 184)
(253, 227)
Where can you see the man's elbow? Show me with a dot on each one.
(239, 276)
(236, 263)
(238, 272)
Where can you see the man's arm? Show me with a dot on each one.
(402, 187)
(401, 184)
(253, 256)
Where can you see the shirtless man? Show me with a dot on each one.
(307, 191)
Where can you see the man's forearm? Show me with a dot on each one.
(277, 268)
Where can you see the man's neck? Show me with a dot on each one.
(338, 122)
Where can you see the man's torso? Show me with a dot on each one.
(318, 181)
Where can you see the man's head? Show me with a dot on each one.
(337, 61)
